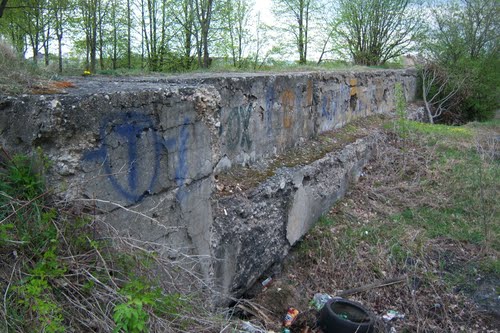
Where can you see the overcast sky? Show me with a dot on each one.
(264, 6)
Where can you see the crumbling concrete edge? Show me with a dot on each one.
(255, 230)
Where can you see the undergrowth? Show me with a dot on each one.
(62, 271)
(426, 211)
(16, 74)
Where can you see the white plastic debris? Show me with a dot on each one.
(393, 314)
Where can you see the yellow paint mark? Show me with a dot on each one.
(354, 91)
(353, 82)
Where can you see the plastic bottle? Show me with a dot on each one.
(290, 316)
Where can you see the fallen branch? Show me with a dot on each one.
(254, 310)
(373, 285)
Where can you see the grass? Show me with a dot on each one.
(61, 270)
(427, 210)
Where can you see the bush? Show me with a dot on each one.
(467, 90)
(464, 43)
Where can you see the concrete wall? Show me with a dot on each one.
(144, 151)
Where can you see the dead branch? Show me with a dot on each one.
(437, 102)
(373, 285)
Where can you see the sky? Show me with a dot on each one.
(264, 6)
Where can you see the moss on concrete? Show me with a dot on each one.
(242, 178)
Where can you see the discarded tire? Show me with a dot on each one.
(343, 316)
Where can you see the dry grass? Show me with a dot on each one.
(63, 269)
(19, 76)
(417, 213)
(15, 75)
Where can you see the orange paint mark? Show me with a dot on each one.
(51, 88)
(309, 93)
(288, 104)
(63, 84)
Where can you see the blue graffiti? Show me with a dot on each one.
(270, 96)
(324, 106)
(333, 108)
(132, 127)
(328, 107)
(181, 170)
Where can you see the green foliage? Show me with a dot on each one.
(36, 293)
(400, 123)
(57, 258)
(131, 317)
(21, 197)
(400, 101)
(376, 31)
(483, 87)
(19, 178)
(465, 42)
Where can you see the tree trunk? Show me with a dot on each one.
(59, 46)
(3, 4)
(115, 42)
(93, 45)
(129, 36)
(300, 42)
(46, 47)
(205, 16)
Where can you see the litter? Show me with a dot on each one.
(248, 327)
(392, 314)
(267, 282)
(319, 300)
(290, 316)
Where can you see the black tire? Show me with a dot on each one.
(343, 316)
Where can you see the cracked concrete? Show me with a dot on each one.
(146, 153)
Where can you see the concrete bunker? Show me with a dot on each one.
(156, 145)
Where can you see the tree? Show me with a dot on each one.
(59, 10)
(465, 29)
(3, 4)
(13, 26)
(235, 17)
(90, 21)
(464, 42)
(187, 27)
(296, 15)
(35, 24)
(439, 90)
(158, 30)
(376, 31)
(203, 10)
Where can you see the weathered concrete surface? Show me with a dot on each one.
(146, 151)
(254, 229)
